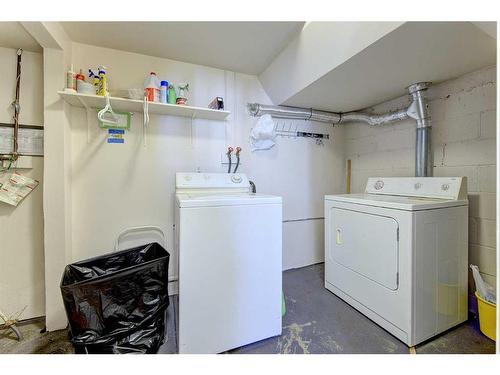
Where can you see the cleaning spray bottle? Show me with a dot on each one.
(94, 78)
(172, 95)
(103, 82)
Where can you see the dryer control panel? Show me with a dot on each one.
(454, 188)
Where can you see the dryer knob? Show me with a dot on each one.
(418, 185)
(378, 185)
(445, 187)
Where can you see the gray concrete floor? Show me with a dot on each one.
(316, 322)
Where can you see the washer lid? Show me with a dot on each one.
(224, 199)
(396, 201)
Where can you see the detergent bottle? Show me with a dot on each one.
(152, 87)
(103, 82)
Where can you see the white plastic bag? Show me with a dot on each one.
(262, 135)
(487, 292)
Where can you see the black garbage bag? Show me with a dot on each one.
(116, 303)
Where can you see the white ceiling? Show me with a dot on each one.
(414, 52)
(246, 47)
(13, 35)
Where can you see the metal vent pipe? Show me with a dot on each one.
(294, 113)
(417, 110)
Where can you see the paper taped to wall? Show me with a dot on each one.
(30, 141)
(15, 187)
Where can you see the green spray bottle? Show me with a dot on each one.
(172, 95)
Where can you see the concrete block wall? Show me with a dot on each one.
(464, 122)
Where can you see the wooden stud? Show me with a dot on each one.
(348, 177)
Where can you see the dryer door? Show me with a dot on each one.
(366, 244)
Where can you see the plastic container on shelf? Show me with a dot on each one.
(70, 80)
(172, 95)
(164, 92)
(80, 77)
(103, 82)
(152, 87)
(182, 97)
(94, 78)
(83, 87)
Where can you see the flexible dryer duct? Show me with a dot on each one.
(417, 110)
(296, 113)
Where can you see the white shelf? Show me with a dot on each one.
(131, 105)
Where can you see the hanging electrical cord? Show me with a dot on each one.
(229, 152)
(17, 109)
(238, 150)
(16, 105)
(145, 122)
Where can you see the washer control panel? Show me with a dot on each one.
(425, 187)
(236, 179)
(211, 181)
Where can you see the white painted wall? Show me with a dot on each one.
(21, 228)
(463, 114)
(118, 186)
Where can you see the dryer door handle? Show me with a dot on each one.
(338, 233)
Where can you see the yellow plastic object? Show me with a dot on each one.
(487, 317)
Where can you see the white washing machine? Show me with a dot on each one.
(229, 243)
(398, 253)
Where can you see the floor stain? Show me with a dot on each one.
(292, 341)
(332, 326)
(332, 345)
